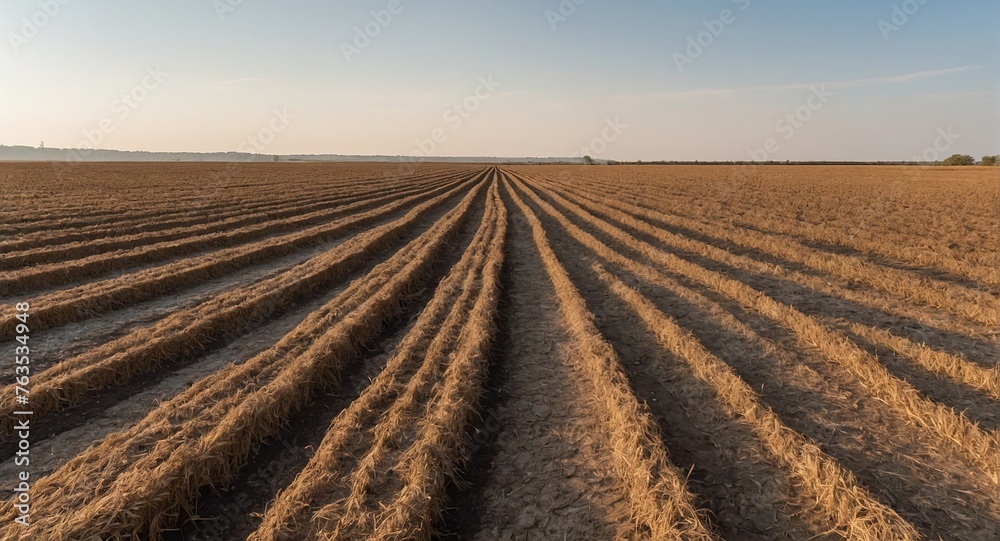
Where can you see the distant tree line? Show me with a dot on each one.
(965, 159)
(956, 159)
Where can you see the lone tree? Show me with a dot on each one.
(587, 160)
(990, 160)
(959, 159)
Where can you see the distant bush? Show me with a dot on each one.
(959, 159)
(990, 160)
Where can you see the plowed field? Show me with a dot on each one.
(278, 352)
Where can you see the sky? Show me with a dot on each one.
(626, 80)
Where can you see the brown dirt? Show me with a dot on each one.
(546, 480)
(539, 465)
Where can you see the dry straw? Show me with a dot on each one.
(85, 301)
(661, 505)
(146, 474)
(981, 447)
(190, 329)
(948, 366)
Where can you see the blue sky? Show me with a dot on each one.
(512, 78)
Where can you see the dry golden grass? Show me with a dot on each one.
(835, 496)
(950, 366)
(197, 439)
(84, 301)
(662, 507)
(417, 482)
(228, 228)
(144, 349)
(361, 438)
(891, 289)
(833, 329)
(939, 218)
(946, 365)
(941, 422)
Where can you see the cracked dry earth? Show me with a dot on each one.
(547, 480)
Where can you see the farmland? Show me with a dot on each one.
(275, 352)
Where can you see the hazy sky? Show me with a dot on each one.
(621, 80)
